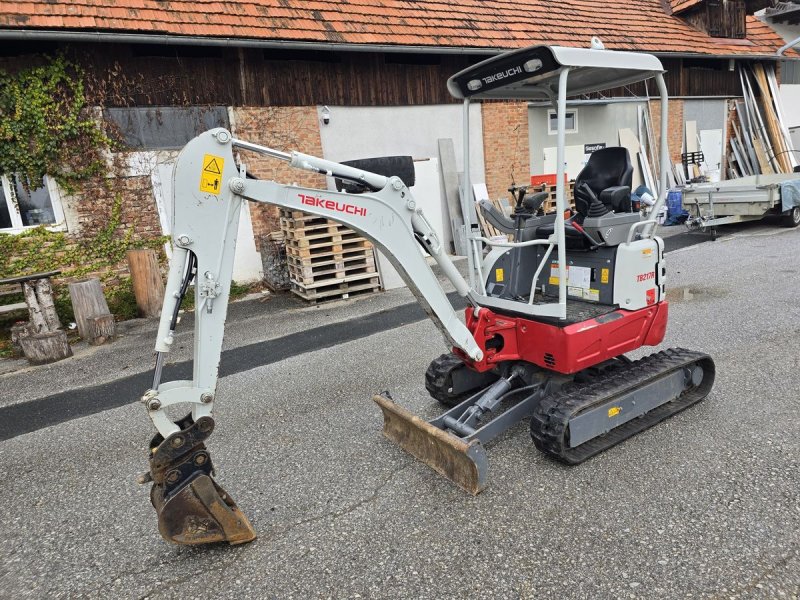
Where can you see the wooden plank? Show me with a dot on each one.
(761, 155)
(690, 139)
(628, 139)
(776, 97)
(771, 120)
(447, 163)
(761, 131)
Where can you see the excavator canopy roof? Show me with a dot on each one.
(533, 73)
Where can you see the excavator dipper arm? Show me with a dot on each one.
(209, 190)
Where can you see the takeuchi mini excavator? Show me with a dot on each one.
(551, 312)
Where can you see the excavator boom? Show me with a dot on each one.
(209, 191)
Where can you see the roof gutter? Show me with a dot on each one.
(40, 35)
(228, 42)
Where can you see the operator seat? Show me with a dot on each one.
(603, 186)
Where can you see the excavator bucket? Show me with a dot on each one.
(201, 512)
(192, 508)
(463, 463)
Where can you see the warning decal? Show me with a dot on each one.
(211, 176)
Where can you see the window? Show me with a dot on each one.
(571, 122)
(21, 208)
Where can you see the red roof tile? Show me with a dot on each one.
(621, 24)
(681, 5)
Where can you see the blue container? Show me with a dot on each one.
(674, 203)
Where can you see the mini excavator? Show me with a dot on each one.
(551, 312)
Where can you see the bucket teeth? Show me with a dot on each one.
(463, 463)
(192, 508)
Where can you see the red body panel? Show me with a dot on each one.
(564, 349)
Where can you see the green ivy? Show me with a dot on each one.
(38, 250)
(44, 129)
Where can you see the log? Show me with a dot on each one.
(19, 330)
(101, 329)
(87, 302)
(43, 348)
(148, 287)
(38, 323)
(44, 294)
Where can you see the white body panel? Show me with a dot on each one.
(639, 274)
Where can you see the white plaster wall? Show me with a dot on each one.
(367, 132)
(790, 100)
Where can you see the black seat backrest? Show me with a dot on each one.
(606, 168)
(609, 167)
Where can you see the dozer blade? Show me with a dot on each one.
(192, 508)
(463, 463)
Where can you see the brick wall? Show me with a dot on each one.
(283, 128)
(505, 145)
(674, 129)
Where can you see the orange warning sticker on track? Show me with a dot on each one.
(211, 175)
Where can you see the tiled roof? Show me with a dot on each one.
(621, 24)
(681, 5)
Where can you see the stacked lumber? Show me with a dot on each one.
(760, 143)
(326, 260)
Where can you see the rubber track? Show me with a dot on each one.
(437, 375)
(550, 420)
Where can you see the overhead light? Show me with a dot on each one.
(326, 115)
(474, 85)
(532, 65)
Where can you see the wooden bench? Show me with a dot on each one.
(41, 340)
(7, 294)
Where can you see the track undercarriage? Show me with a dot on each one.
(572, 417)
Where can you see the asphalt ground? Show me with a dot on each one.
(704, 505)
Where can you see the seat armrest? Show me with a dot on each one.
(617, 198)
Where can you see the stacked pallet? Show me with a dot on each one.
(326, 260)
(550, 204)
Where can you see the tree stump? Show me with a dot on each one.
(18, 331)
(101, 329)
(148, 287)
(43, 348)
(88, 302)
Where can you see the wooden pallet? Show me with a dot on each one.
(550, 204)
(326, 260)
(304, 273)
(348, 287)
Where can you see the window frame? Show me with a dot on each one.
(553, 113)
(17, 226)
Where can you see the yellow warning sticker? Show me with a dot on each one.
(647, 252)
(499, 275)
(614, 411)
(554, 280)
(211, 176)
(604, 276)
